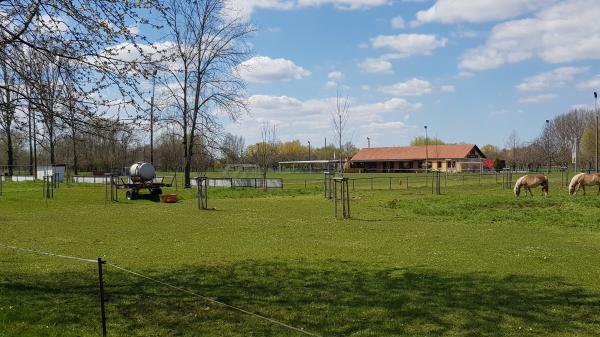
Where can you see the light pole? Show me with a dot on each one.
(548, 143)
(152, 118)
(368, 142)
(309, 164)
(426, 150)
(596, 113)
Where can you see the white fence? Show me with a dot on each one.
(91, 180)
(19, 179)
(242, 182)
(106, 180)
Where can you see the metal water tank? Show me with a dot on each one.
(142, 171)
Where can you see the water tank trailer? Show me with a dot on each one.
(142, 176)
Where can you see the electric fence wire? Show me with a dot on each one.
(189, 292)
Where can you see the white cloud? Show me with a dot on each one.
(550, 79)
(387, 125)
(263, 69)
(397, 22)
(335, 75)
(447, 88)
(565, 32)
(413, 87)
(405, 45)
(537, 99)
(365, 87)
(311, 117)
(453, 11)
(245, 8)
(331, 84)
(334, 78)
(375, 66)
(343, 4)
(591, 84)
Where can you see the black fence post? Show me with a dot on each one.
(390, 183)
(101, 280)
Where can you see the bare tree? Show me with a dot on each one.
(7, 110)
(232, 148)
(201, 78)
(339, 120)
(512, 143)
(266, 151)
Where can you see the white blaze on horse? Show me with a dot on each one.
(530, 181)
(582, 180)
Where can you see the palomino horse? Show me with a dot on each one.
(582, 180)
(530, 181)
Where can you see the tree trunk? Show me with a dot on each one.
(9, 150)
(75, 164)
(30, 136)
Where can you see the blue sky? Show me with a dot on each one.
(472, 70)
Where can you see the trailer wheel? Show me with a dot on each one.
(130, 194)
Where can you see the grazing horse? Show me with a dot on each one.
(530, 181)
(582, 180)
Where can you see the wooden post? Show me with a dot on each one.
(335, 203)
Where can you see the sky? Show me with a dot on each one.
(471, 70)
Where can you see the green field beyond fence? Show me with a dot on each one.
(474, 261)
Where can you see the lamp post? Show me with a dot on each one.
(309, 164)
(152, 118)
(548, 143)
(596, 113)
(368, 142)
(426, 150)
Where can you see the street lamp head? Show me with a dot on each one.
(425, 126)
(595, 94)
(547, 121)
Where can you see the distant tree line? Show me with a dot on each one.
(573, 132)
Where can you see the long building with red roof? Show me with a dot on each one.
(455, 157)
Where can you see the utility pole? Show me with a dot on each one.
(368, 142)
(548, 143)
(152, 118)
(426, 150)
(596, 113)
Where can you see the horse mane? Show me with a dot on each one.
(575, 180)
(518, 185)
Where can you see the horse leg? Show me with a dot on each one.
(529, 189)
(583, 187)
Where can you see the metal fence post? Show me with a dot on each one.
(101, 281)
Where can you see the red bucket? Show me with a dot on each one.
(168, 198)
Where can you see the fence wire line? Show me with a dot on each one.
(40, 252)
(229, 306)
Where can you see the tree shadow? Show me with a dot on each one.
(332, 298)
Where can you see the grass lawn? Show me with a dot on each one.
(472, 262)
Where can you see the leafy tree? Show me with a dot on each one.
(421, 140)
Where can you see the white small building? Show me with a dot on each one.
(50, 170)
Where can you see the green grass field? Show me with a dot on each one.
(472, 262)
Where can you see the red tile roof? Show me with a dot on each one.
(415, 152)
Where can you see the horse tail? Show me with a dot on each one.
(518, 186)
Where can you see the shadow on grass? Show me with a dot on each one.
(332, 299)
